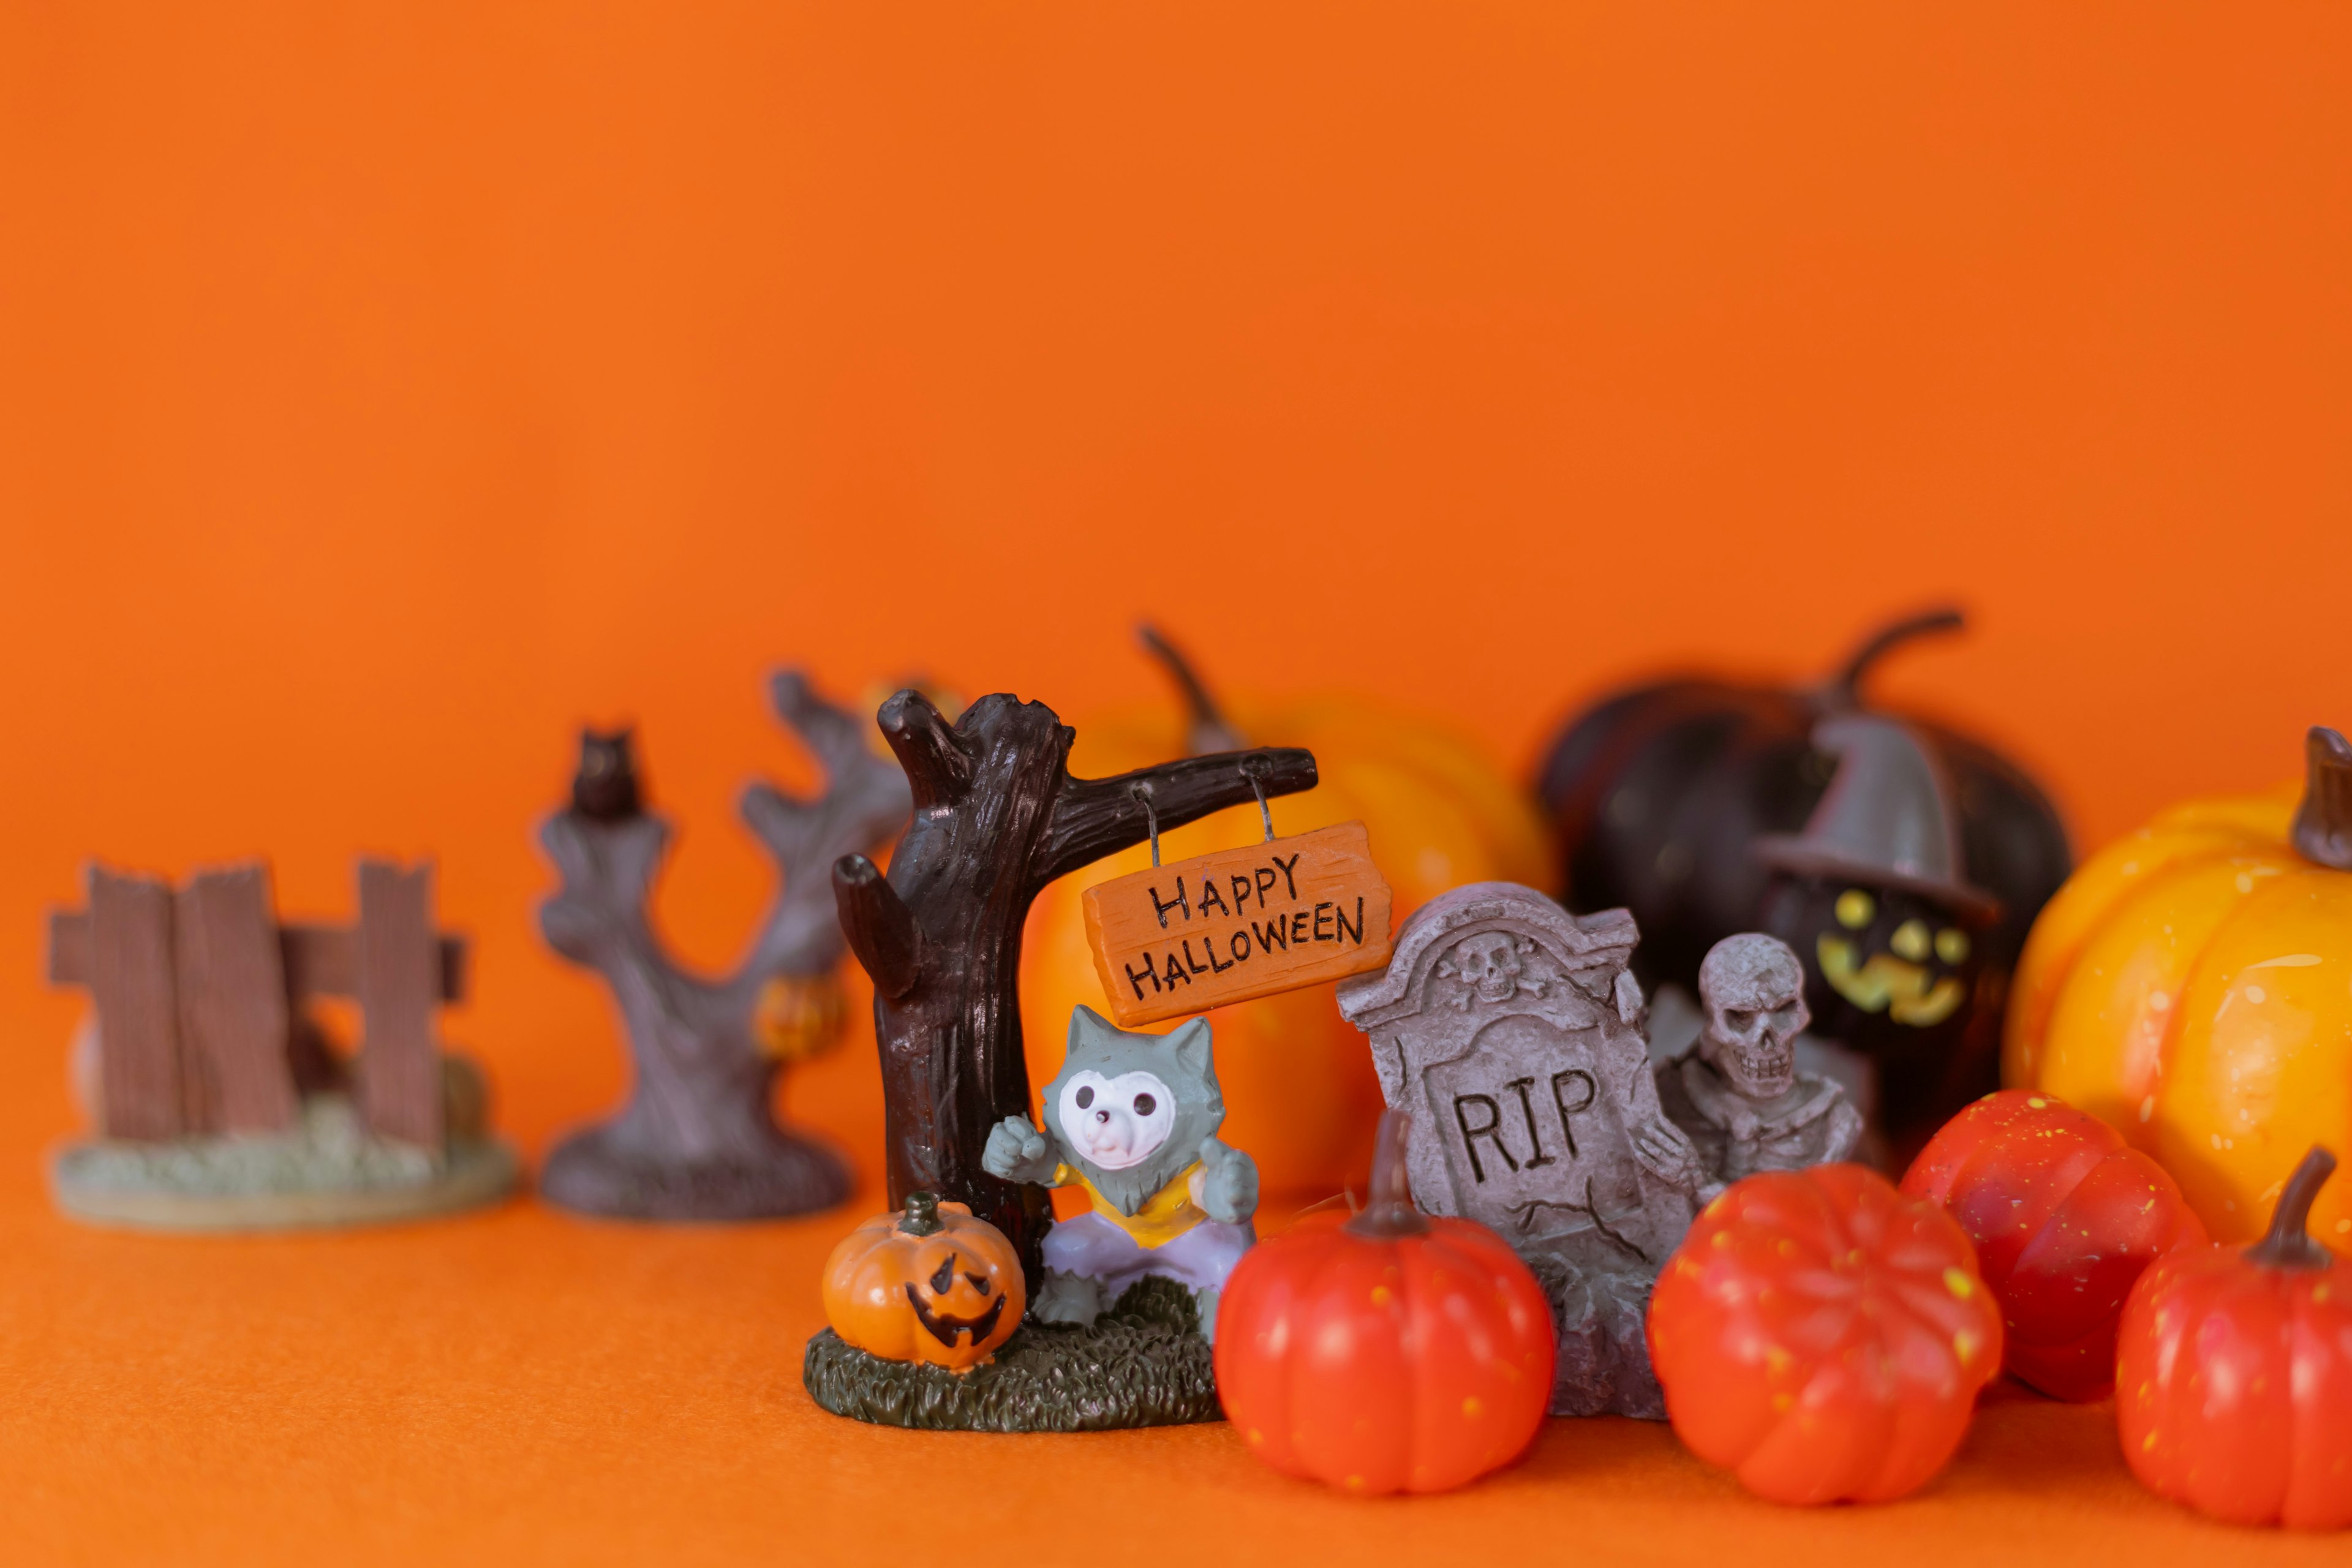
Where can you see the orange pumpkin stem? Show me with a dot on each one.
(2289, 1243)
(1208, 731)
(922, 1215)
(1388, 1211)
(1842, 692)
(2323, 825)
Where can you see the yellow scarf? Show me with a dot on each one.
(1169, 1214)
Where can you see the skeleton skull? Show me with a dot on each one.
(1490, 961)
(1755, 994)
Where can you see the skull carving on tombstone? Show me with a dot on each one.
(1754, 992)
(1493, 965)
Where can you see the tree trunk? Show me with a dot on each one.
(997, 816)
(698, 1138)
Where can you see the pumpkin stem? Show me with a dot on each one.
(922, 1215)
(2289, 1243)
(1388, 1209)
(1208, 731)
(1842, 692)
(2323, 825)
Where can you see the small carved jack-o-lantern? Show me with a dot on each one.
(930, 1284)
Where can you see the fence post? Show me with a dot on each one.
(233, 1000)
(131, 981)
(399, 1063)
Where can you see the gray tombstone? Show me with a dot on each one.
(1511, 1030)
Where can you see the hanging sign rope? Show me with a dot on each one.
(1237, 924)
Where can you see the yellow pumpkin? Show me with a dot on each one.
(2192, 986)
(1299, 1092)
(930, 1284)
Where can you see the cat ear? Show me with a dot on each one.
(1191, 1045)
(1089, 1027)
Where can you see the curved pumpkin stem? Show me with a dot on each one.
(1208, 733)
(2323, 824)
(2289, 1243)
(1389, 1211)
(1842, 692)
(922, 1215)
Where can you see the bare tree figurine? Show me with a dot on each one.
(698, 1139)
(997, 816)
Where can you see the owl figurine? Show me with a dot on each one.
(606, 788)
(1132, 1118)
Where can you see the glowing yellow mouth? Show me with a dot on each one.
(1887, 984)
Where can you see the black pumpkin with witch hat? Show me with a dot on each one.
(1660, 793)
(1892, 936)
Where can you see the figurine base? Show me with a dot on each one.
(327, 1172)
(1143, 1364)
(590, 1173)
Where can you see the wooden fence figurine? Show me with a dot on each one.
(218, 1105)
(698, 1139)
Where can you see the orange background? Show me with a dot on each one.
(386, 388)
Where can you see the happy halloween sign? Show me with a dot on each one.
(1238, 924)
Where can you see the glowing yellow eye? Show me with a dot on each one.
(1952, 945)
(1854, 908)
(1910, 941)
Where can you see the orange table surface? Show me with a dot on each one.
(523, 1386)
(387, 388)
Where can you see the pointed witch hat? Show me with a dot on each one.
(1889, 820)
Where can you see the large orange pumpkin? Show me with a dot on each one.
(2191, 986)
(1299, 1091)
(930, 1284)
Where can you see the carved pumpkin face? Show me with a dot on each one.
(930, 1284)
(1889, 972)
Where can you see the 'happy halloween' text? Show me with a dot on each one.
(1220, 928)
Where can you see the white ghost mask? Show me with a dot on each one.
(1117, 1122)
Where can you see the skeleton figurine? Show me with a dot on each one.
(1738, 1093)
(1133, 1119)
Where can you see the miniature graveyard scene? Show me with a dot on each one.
(1872, 898)
(998, 817)
(1133, 1120)
(1511, 1033)
(698, 1138)
(1660, 793)
(1737, 1092)
(219, 1104)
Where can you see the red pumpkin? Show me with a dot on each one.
(2065, 1216)
(2235, 1374)
(1824, 1336)
(1387, 1353)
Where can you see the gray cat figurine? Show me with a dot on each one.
(1133, 1119)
